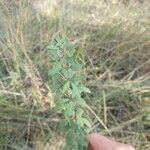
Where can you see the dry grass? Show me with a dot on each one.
(114, 40)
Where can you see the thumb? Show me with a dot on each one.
(98, 142)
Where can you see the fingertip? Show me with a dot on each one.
(93, 135)
(95, 141)
(92, 139)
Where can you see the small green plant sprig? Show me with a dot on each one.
(67, 83)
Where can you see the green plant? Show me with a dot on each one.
(67, 83)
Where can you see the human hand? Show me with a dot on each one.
(99, 142)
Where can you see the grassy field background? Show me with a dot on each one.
(114, 40)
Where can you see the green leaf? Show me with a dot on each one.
(54, 71)
(69, 109)
(56, 85)
(52, 62)
(70, 50)
(66, 87)
(56, 68)
(63, 125)
(52, 47)
(80, 112)
(86, 122)
(85, 89)
(75, 90)
(77, 79)
(80, 78)
(80, 121)
(70, 139)
(83, 121)
(60, 104)
(70, 73)
(80, 102)
(73, 64)
(82, 141)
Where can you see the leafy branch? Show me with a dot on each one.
(67, 83)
